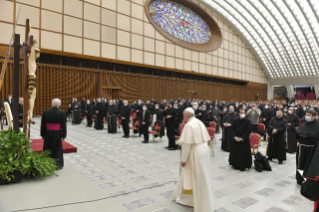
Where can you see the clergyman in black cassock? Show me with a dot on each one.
(53, 131)
(266, 115)
(76, 112)
(89, 113)
(277, 143)
(170, 118)
(125, 117)
(228, 136)
(240, 153)
(308, 133)
(145, 123)
(206, 116)
(291, 135)
(99, 115)
(215, 117)
(111, 118)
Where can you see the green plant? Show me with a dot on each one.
(16, 155)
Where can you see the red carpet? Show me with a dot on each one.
(37, 146)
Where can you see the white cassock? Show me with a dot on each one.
(195, 187)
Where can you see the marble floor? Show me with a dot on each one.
(112, 174)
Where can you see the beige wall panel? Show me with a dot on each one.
(208, 59)
(137, 56)
(195, 56)
(179, 52)
(108, 34)
(91, 48)
(149, 44)
(70, 5)
(137, 26)
(141, 2)
(170, 50)
(215, 70)
(208, 69)
(110, 4)
(21, 30)
(170, 62)
(92, 12)
(231, 73)
(50, 40)
(108, 51)
(6, 11)
(6, 33)
(123, 22)
(123, 38)
(220, 72)
(149, 30)
(72, 44)
(215, 61)
(202, 57)
(187, 54)
(226, 64)
(97, 2)
(179, 64)
(137, 41)
(137, 11)
(124, 6)
(28, 13)
(123, 53)
(91, 30)
(149, 58)
(72, 26)
(202, 68)
(195, 67)
(51, 21)
(225, 72)
(220, 62)
(108, 17)
(187, 65)
(159, 36)
(160, 60)
(235, 74)
(30, 2)
(55, 5)
(145, 18)
(160, 47)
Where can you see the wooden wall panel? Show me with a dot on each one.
(64, 82)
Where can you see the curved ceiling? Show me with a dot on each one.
(283, 33)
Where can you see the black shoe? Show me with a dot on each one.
(126, 136)
(172, 148)
(59, 168)
(145, 142)
(123, 136)
(166, 147)
(280, 162)
(269, 159)
(242, 169)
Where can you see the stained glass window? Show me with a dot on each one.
(180, 21)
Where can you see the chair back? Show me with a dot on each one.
(181, 127)
(137, 123)
(212, 124)
(254, 140)
(157, 127)
(211, 132)
(134, 115)
(261, 127)
(8, 114)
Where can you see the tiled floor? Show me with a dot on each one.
(127, 175)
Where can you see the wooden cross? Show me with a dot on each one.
(25, 51)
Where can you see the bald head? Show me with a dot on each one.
(56, 103)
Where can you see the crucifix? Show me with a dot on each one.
(29, 54)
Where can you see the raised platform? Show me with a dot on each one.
(37, 146)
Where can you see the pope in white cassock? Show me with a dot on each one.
(195, 187)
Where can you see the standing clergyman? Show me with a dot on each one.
(53, 131)
(194, 187)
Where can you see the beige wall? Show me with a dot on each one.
(119, 29)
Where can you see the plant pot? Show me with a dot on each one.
(17, 178)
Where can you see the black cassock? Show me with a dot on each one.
(170, 125)
(76, 113)
(53, 129)
(88, 113)
(240, 154)
(291, 135)
(206, 118)
(228, 136)
(99, 116)
(111, 119)
(125, 113)
(306, 144)
(277, 143)
(266, 114)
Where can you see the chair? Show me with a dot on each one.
(212, 124)
(135, 126)
(180, 129)
(156, 132)
(261, 127)
(254, 140)
(211, 132)
(119, 124)
(84, 120)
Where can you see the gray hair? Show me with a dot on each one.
(56, 103)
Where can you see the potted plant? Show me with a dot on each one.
(17, 158)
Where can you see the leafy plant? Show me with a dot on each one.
(16, 155)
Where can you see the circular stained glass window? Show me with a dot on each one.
(180, 21)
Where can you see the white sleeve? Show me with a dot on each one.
(186, 148)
